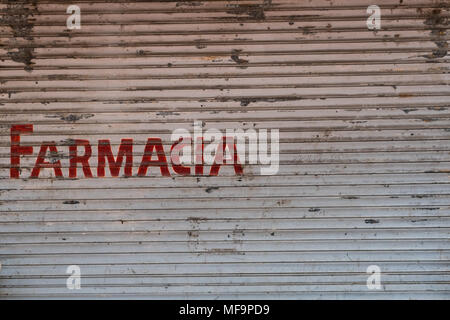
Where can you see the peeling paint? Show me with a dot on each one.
(188, 4)
(71, 202)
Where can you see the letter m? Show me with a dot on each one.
(104, 152)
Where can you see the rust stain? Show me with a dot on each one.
(212, 58)
(429, 119)
(307, 30)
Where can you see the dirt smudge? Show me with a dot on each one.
(19, 17)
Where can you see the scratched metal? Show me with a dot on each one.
(364, 120)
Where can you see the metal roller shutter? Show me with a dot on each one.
(363, 117)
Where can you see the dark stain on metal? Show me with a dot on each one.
(357, 121)
(408, 110)
(167, 113)
(371, 221)
(141, 52)
(61, 77)
(54, 157)
(193, 234)
(224, 251)
(18, 16)
(283, 202)
(188, 4)
(238, 232)
(196, 219)
(75, 118)
(430, 119)
(71, 202)
(349, 197)
(437, 108)
(68, 142)
(246, 101)
(210, 189)
(420, 196)
(201, 46)
(23, 55)
(235, 57)
(314, 209)
(307, 30)
(405, 95)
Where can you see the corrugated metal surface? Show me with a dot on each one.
(364, 137)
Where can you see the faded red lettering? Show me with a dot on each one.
(104, 151)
